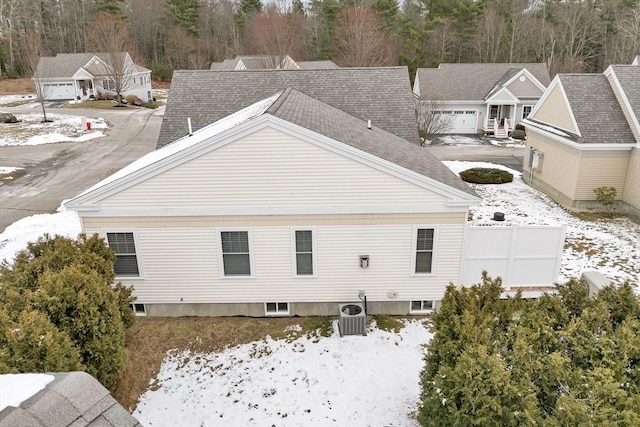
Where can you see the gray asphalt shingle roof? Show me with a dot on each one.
(309, 113)
(596, 109)
(629, 78)
(67, 64)
(458, 82)
(382, 95)
(317, 65)
(71, 399)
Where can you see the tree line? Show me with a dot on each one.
(568, 35)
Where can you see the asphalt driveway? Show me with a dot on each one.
(56, 172)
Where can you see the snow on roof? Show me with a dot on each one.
(195, 138)
(545, 127)
(16, 388)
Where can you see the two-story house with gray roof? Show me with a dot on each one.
(475, 98)
(288, 206)
(69, 76)
(585, 134)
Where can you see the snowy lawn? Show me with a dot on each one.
(307, 381)
(63, 128)
(611, 246)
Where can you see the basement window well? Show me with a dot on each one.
(139, 309)
(277, 309)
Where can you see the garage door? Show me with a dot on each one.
(54, 91)
(461, 121)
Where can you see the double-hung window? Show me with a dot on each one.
(124, 246)
(526, 110)
(304, 253)
(236, 256)
(423, 253)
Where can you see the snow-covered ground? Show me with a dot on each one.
(474, 140)
(611, 246)
(63, 128)
(308, 381)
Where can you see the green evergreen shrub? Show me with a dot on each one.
(67, 283)
(518, 134)
(520, 126)
(486, 176)
(564, 359)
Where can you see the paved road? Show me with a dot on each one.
(55, 172)
(507, 156)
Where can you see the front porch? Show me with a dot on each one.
(500, 120)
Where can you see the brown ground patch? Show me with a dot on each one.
(11, 176)
(16, 86)
(155, 84)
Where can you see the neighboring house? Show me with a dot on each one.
(87, 75)
(59, 399)
(475, 98)
(269, 62)
(199, 98)
(287, 207)
(636, 60)
(585, 134)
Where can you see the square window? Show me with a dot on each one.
(236, 258)
(277, 308)
(123, 245)
(139, 309)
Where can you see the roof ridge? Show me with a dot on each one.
(277, 103)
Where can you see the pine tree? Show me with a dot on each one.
(186, 14)
(65, 287)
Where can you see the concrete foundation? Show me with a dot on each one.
(258, 309)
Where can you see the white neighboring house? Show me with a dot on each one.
(69, 76)
(287, 207)
(474, 98)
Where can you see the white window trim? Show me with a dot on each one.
(422, 311)
(522, 117)
(136, 242)
(314, 253)
(221, 258)
(277, 313)
(414, 246)
(144, 309)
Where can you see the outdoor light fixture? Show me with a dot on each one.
(364, 261)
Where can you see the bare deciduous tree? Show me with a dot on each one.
(431, 121)
(31, 48)
(362, 40)
(276, 34)
(109, 35)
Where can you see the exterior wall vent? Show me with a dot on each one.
(353, 319)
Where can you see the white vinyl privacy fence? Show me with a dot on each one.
(522, 255)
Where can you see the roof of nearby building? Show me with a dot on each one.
(382, 95)
(459, 82)
(595, 108)
(67, 64)
(269, 62)
(317, 65)
(309, 113)
(71, 399)
(295, 107)
(629, 78)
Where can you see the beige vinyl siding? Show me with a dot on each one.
(631, 193)
(560, 165)
(555, 111)
(270, 169)
(598, 169)
(624, 107)
(181, 264)
(524, 89)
